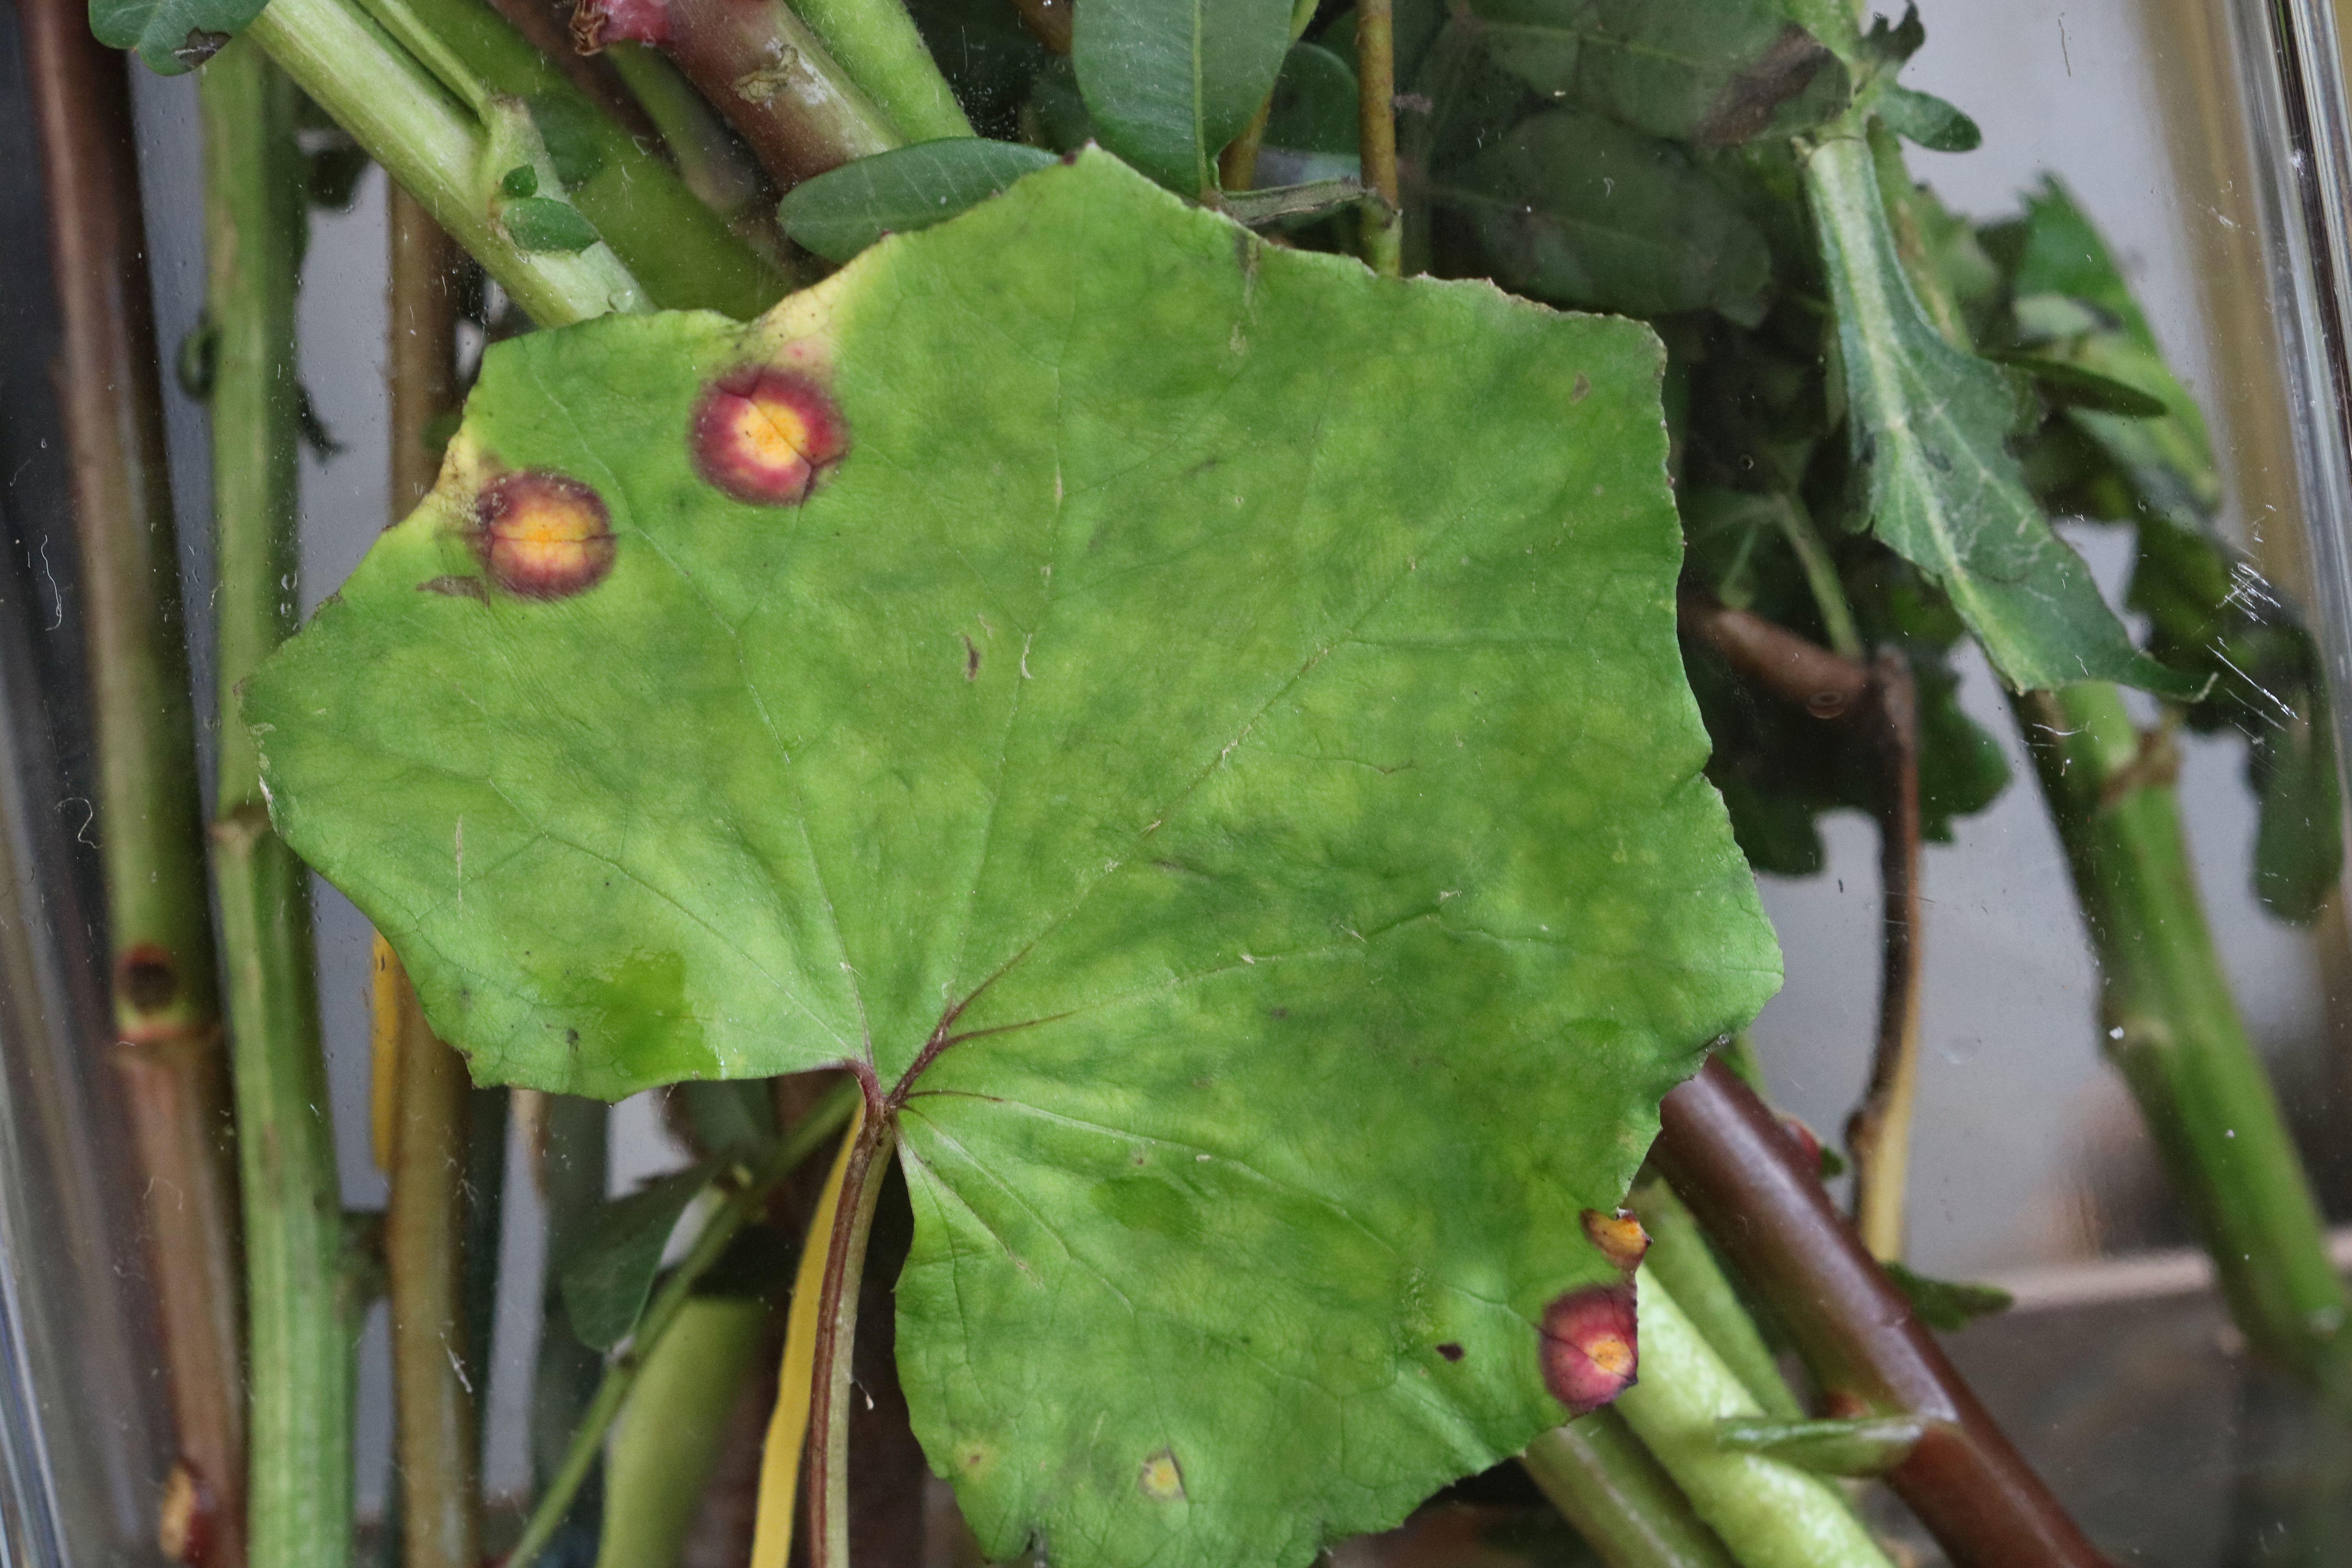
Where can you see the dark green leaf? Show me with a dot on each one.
(1059, 112)
(171, 35)
(726, 1117)
(2208, 607)
(1716, 74)
(605, 1282)
(520, 181)
(839, 213)
(2068, 384)
(574, 132)
(542, 223)
(1864, 1445)
(988, 56)
(1578, 209)
(1945, 1304)
(1314, 108)
(1296, 845)
(1929, 424)
(1924, 117)
(1169, 82)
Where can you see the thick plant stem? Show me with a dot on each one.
(301, 1338)
(1679, 1257)
(1878, 1134)
(742, 1205)
(433, 146)
(570, 1139)
(1751, 1186)
(1771, 1514)
(877, 43)
(436, 1435)
(670, 1438)
(682, 251)
(1613, 1490)
(168, 1047)
(2172, 1027)
(762, 68)
(1383, 239)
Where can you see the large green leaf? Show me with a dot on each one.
(1576, 208)
(1716, 73)
(1169, 82)
(1214, 750)
(1928, 423)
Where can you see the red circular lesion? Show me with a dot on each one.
(543, 535)
(766, 436)
(1589, 1346)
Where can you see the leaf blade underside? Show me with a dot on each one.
(1271, 795)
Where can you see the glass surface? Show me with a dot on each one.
(2209, 143)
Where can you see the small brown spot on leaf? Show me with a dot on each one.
(147, 978)
(1581, 390)
(1589, 1346)
(1162, 1480)
(971, 658)
(543, 535)
(1450, 1350)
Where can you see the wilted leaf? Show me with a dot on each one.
(839, 213)
(171, 36)
(1246, 818)
(1576, 208)
(1714, 74)
(1169, 82)
(1928, 423)
(606, 1282)
(1946, 1304)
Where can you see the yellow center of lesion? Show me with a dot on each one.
(1610, 1353)
(1161, 1481)
(544, 521)
(771, 431)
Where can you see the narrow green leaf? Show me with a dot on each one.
(171, 36)
(1170, 82)
(839, 213)
(1924, 117)
(1864, 1445)
(1928, 423)
(606, 1282)
(1578, 209)
(1948, 1304)
(1716, 74)
(2068, 384)
(544, 223)
(1294, 845)
(1315, 104)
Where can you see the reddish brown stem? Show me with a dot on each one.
(761, 68)
(1049, 20)
(1878, 1134)
(1769, 655)
(166, 1003)
(844, 1272)
(1747, 1179)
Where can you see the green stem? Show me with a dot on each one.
(149, 821)
(1619, 1497)
(714, 165)
(301, 1333)
(2172, 1027)
(1772, 1515)
(1383, 237)
(1682, 1261)
(673, 1429)
(571, 1140)
(681, 250)
(876, 42)
(434, 148)
(742, 1205)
